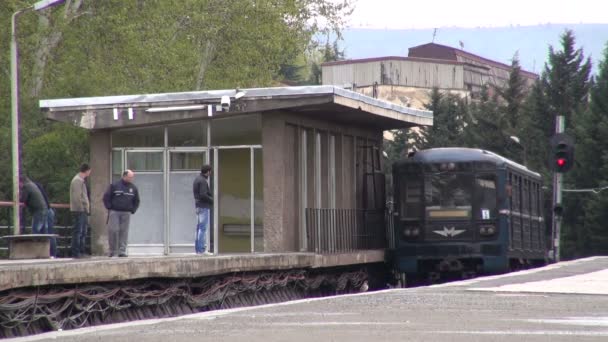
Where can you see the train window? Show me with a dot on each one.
(485, 197)
(410, 193)
(448, 195)
(485, 166)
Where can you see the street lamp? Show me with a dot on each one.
(518, 142)
(40, 5)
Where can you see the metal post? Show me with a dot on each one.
(252, 198)
(216, 202)
(15, 119)
(557, 195)
(40, 5)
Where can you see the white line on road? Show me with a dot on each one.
(587, 283)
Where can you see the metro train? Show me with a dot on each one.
(461, 211)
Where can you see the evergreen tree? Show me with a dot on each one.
(566, 78)
(449, 114)
(591, 232)
(565, 86)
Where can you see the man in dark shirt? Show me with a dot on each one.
(203, 202)
(35, 203)
(121, 199)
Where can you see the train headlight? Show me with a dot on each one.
(487, 230)
(411, 232)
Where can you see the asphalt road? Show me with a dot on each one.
(540, 305)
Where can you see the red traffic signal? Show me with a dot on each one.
(562, 153)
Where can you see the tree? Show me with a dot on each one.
(590, 233)
(449, 114)
(97, 48)
(565, 86)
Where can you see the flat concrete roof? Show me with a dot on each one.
(330, 102)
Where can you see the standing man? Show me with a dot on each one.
(80, 208)
(121, 199)
(203, 201)
(35, 203)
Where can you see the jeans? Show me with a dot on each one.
(39, 219)
(202, 215)
(50, 222)
(79, 233)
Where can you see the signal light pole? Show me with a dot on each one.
(562, 160)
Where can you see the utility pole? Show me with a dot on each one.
(560, 124)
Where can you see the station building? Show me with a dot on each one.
(289, 164)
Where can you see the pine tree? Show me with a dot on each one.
(592, 167)
(449, 113)
(565, 86)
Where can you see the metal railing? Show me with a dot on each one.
(345, 230)
(62, 227)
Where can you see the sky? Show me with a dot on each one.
(420, 14)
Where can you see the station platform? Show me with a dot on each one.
(40, 272)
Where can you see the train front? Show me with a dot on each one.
(446, 216)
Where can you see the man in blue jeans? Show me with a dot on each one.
(80, 208)
(203, 202)
(50, 220)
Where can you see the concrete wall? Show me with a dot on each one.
(281, 135)
(276, 237)
(100, 145)
(411, 73)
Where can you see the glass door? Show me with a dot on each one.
(146, 229)
(184, 166)
(238, 191)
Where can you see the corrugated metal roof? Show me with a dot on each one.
(472, 56)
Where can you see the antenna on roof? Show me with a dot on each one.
(434, 34)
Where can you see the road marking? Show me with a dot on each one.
(518, 273)
(524, 332)
(595, 283)
(581, 321)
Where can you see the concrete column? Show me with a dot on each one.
(273, 130)
(101, 156)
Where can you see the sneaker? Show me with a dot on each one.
(122, 255)
(205, 253)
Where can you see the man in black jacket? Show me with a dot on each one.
(121, 199)
(203, 201)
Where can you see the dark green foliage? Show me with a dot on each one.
(587, 231)
(95, 48)
(449, 114)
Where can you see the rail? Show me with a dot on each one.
(345, 230)
(62, 227)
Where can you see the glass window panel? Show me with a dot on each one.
(141, 137)
(145, 161)
(188, 134)
(485, 197)
(117, 166)
(234, 202)
(241, 130)
(182, 220)
(147, 225)
(448, 191)
(410, 192)
(258, 200)
(187, 161)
